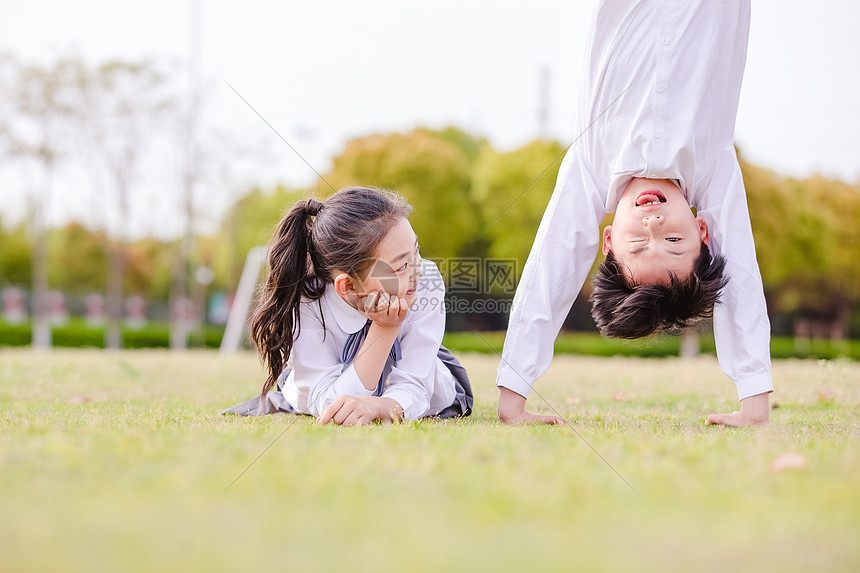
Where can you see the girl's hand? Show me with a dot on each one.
(361, 410)
(385, 309)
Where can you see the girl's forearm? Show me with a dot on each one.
(373, 354)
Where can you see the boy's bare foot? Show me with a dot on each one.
(512, 410)
(733, 419)
(526, 417)
(755, 411)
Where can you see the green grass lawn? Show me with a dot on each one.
(120, 462)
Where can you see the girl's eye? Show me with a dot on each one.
(673, 239)
(403, 268)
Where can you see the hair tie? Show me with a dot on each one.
(312, 207)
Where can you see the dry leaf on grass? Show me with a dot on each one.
(620, 396)
(790, 461)
(79, 400)
(826, 395)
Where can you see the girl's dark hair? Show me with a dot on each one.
(312, 241)
(622, 309)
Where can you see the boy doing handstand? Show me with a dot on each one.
(658, 102)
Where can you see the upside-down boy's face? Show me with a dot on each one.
(654, 232)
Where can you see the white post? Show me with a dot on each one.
(690, 347)
(242, 301)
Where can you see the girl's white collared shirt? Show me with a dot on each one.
(659, 98)
(419, 381)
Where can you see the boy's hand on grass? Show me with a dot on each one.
(755, 411)
(512, 410)
(360, 410)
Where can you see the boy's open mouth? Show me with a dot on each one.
(647, 198)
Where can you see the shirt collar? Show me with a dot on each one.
(349, 319)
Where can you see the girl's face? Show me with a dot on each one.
(396, 267)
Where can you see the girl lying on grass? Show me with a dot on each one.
(350, 320)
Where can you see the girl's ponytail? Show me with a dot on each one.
(292, 274)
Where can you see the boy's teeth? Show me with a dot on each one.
(649, 198)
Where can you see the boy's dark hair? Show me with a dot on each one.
(623, 309)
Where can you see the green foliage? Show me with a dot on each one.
(15, 256)
(147, 268)
(250, 223)
(513, 190)
(77, 261)
(430, 171)
(471, 200)
(807, 240)
(469, 145)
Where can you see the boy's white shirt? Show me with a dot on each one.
(419, 381)
(659, 98)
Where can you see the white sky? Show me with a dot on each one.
(325, 70)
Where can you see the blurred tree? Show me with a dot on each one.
(242, 225)
(513, 190)
(39, 123)
(430, 171)
(148, 272)
(210, 169)
(806, 234)
(469, 145)
(142, 264)
(250, 222)
(125, 106)
(844, 201)
(8, 79)
(77, 259)
(15, 256)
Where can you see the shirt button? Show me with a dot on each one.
(658, 133)
(661, 87)
(665, 40)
